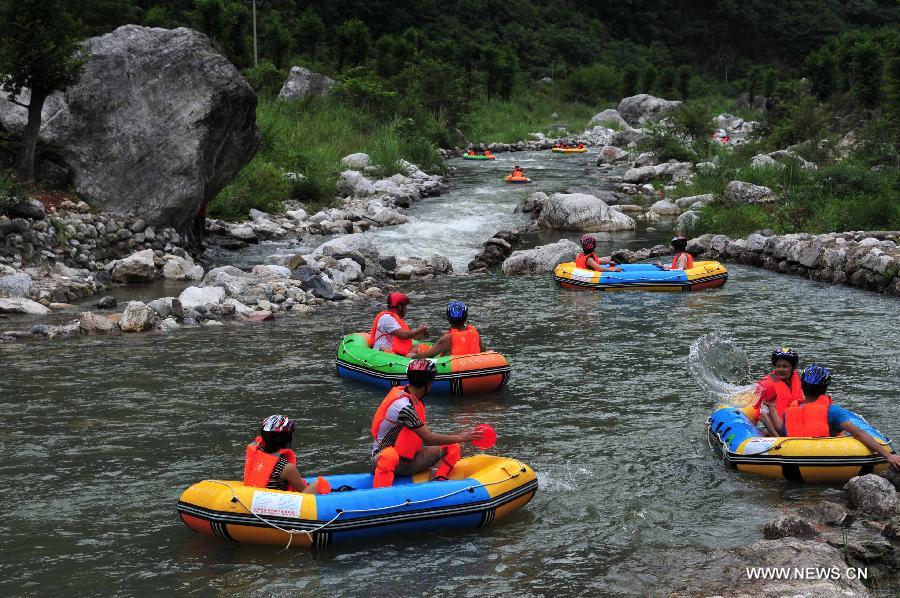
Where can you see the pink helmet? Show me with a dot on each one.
(588, 242)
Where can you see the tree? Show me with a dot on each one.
(224, 21)
(866, 75)
(648, 79)
(40, 52)
(310, 32)
(667, 79)
(277, 42)
(353, 43)
(769, 81)
(751, 83)
(684, 81)
(821, 67)
(631, 77)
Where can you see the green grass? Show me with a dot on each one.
(500, 121)
(11, 191)
(310, 137)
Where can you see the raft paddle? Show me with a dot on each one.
(488, 437)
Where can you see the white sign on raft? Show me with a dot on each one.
(276, 504)
(759, 446)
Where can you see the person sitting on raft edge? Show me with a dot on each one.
(391, 333)
(682, 260)
(588, 260)
(270, 463)
(461, 339)
(404, 445)
(779, 388)
(819, 417)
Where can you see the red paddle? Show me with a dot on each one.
(488, 437)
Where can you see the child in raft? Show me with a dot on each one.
(819, 417)
(270, 463)
(461, 339)
(778, 389)
(588, 260)
(682, 260)
(518, 172)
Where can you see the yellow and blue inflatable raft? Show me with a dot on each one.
(642, 277)
(482, 489)
(734, 437)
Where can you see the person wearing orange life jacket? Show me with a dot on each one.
(682, 260)
(461, 339)
(390, 332)
(518, 172)
(779, 388)
(270, 463)
(471, 152)
(404, 445)
(588, 260)
(818, 416)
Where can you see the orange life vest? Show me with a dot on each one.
(408, 443)
(398, 345)
(581, 262)
(690, 261)
(784, 394)
(465, 342)
(259, 465)
(808, 420)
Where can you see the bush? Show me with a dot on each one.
(592, 84)
(11, 192)
(265, 79)
(260, 185)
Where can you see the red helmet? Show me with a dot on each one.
(277, 423)
(588, 242)
(397, 299)
(420, 372)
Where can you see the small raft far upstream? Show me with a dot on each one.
(642, 277)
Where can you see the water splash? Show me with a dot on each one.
(720, 366)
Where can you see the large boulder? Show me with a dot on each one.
(665, 208)
(541, 260)
(357, 161)
(16, 285)
(608, 118)
(22, 305)
(355, 184)
(643, 174)
(611, 154)
(741, 192)
(206, 297)
(582, 212)
(181, 268)
(137, 267)
(159, 122)
(347, 244)
(872, 494)
(645, 108)
(303, 83)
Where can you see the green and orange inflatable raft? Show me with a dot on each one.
(456, 374)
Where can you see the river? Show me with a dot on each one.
(101, 435)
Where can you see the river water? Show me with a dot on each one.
(101, 435)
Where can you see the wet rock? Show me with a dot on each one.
(168, 325)
(741, 192)
(181, 268)
(167, 306)
(533, 204)
(611, 154)
(353, 183)
(440, 264)
(92, 323)
(243, 233)
(665, 208)
(137, 317)
(892, 475)
(260, 316)
(686, 222)
(16, 286)
(824, 512)
(27, 208)
(138, 267)
(206, 297)
(892, 529)
(348, 243)
(644, 108)
(304, 83)
(580, 212)
(868, 551)
(541, 260)
(389, 217)
(790, 526)
(872, 494)
(234, 280)
(388, 262)
(107, 302)
(22, 305)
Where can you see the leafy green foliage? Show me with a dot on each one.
(593, 84)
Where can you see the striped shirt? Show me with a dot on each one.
(275, 483)
(401, 414)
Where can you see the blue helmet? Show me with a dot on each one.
(816, 375)
(457, 311)
(787, 354)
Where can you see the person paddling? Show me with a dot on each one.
(270, 463)
(818, 416)
(391, 333)
(588, 260)
(779, 388)
(682, 260)
(461, 339)
(404, 445)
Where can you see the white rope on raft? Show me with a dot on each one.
(406, 503)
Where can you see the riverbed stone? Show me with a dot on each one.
(354, 184)
(582, 212)
(181, 268)
(167, 306)
(137, 267)
(665, 208)
(15, 286)
(789, 526)
(206, 297)
(137, 317)
(688, 202)
(22, 305)
(687, 222)
(642, 174)
(872, 494)
(92, 323)
(542, 259)
(747, 193)
(349, 243)
(611, 154)
(608, 118)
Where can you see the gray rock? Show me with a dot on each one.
(320, 288)
(629, 137)
(872, 494)
(541, 260)
(137, 267)
(354, 184)
(665, 208)
(644, 174)
(611, 154)
(22, 305)
(168, 325)
(92, 323)
(645, 159)
(868, 551)
(741, 192)
(790, 526)
(389, 217)
(533, 204)
(581, 212)
(167, 306)
(892, 475)
(688, 202)
(892, 529)
(356, 161)
(349, 243)
(15, 286)
(234, 280)
(244, 233)
(107, 302)
(27, 208)
(388, 262)
(207, 297)
(159, 122)
(687, 222)
(608, 118)
(303, 83)
(181, 268)
(299, 214)
(137, 317)
(644, 108)
(765, 161)
(440, 264)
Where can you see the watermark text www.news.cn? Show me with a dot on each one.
(810, 573)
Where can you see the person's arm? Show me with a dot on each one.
(442, 346)
(417, 333)
(434, 439)
(682, 262)
(766, 418)
(604, 261)
(777, 423)
(870, 443)
(292, 476)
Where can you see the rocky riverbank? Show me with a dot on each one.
(867, 260)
